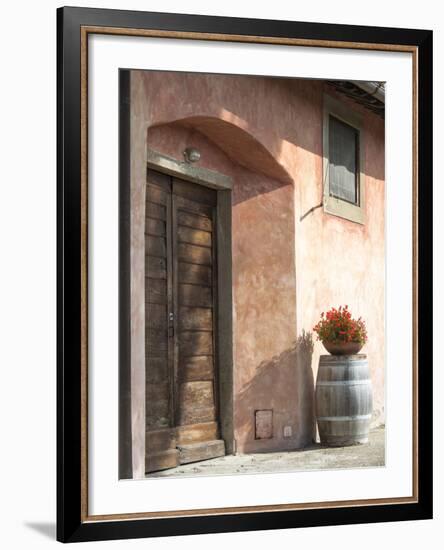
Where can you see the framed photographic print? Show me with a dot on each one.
(244, 274)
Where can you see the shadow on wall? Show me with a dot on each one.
(269, 388)
(250, 185)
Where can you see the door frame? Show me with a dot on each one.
(223, 184)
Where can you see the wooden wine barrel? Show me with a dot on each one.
(343, 399)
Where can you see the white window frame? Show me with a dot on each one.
(335, 205)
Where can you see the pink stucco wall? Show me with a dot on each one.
(287, 266)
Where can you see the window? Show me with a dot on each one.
(343, 181)
(344, 163)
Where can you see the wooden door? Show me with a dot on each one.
(181, 309)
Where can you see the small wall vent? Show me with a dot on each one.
(263, 424)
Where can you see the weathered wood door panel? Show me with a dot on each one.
(181, 289)
(161, 451)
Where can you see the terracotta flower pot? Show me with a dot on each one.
(343, 348)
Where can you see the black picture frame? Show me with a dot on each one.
(73, 523)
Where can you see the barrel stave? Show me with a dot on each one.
(348, 400)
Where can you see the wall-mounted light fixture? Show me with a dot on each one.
(191, 155)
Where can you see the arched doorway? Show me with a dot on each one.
(193, 313)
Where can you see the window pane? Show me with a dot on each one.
(343, 141)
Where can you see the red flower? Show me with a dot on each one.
(337, 325)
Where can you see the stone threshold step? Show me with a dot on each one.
(161, 460)
(203, 450)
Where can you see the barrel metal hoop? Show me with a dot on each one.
(366, 381)
(354, 437)
(344, 418)
(346, 365)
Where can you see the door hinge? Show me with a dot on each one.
(171, 323)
